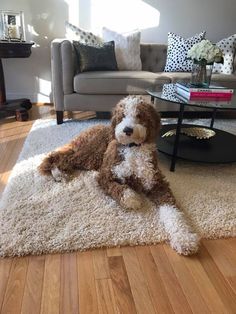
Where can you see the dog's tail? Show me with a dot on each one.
(48, 163)
(61, 159)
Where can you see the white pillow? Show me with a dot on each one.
(127, 48)
(228, 46)
(178, 47)
(76, 33)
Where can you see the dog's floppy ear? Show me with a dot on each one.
(113, 118)
(117, 115)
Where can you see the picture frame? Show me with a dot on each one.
(12, 26)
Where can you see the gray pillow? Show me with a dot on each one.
(97, 57)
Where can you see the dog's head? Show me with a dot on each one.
(135, 121)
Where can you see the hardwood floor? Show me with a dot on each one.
(147, 279)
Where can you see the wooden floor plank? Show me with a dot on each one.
(51, 285)
(223, 255)
(69, 295)
(172, 286)
(121, 286)
(100, 262)
(138, 284)
(105, 296)
(221, 285)
(231, 243)
(114, 251)
(31, 302)
(208, 292)
(86, 283)
(5, 267)
(15, 286)
(156, 286)
(187, 282)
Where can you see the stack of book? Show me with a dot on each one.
(188, 92)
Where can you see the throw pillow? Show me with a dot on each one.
(228, 46)
(177, 52)
(127, 48)
(98, 57)
(75, 33)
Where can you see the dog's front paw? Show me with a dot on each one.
(57, 175)
(131, 200)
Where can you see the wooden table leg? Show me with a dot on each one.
(176, 143)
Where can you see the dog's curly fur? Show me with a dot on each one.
(125, 155)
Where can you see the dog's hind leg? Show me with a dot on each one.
(58, 163)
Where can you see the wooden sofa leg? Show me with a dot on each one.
(59, 117)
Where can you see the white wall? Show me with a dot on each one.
(44, 20)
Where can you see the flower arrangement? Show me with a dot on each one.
(203, 55)
(205, 52)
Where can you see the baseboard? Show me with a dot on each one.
(34, 98)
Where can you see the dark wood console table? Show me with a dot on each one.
(17, 107)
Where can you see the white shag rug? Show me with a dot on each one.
(38, 215)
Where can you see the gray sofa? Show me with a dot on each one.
(101, 90)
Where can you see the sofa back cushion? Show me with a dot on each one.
(153, 57)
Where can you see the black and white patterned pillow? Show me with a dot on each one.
(228, 47)
(177, 52)
(76, 33)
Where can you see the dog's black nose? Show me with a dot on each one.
(128, 131)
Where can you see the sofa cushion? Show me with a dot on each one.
(219, 79)
(117, 82)
(227, 80)
(178, 76)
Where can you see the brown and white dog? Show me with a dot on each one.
(125, 155)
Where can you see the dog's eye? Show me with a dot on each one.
(139, 116)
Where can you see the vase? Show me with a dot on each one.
(201, 74)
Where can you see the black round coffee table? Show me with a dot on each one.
(219, 148)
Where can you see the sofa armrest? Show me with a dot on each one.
(62, 63)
